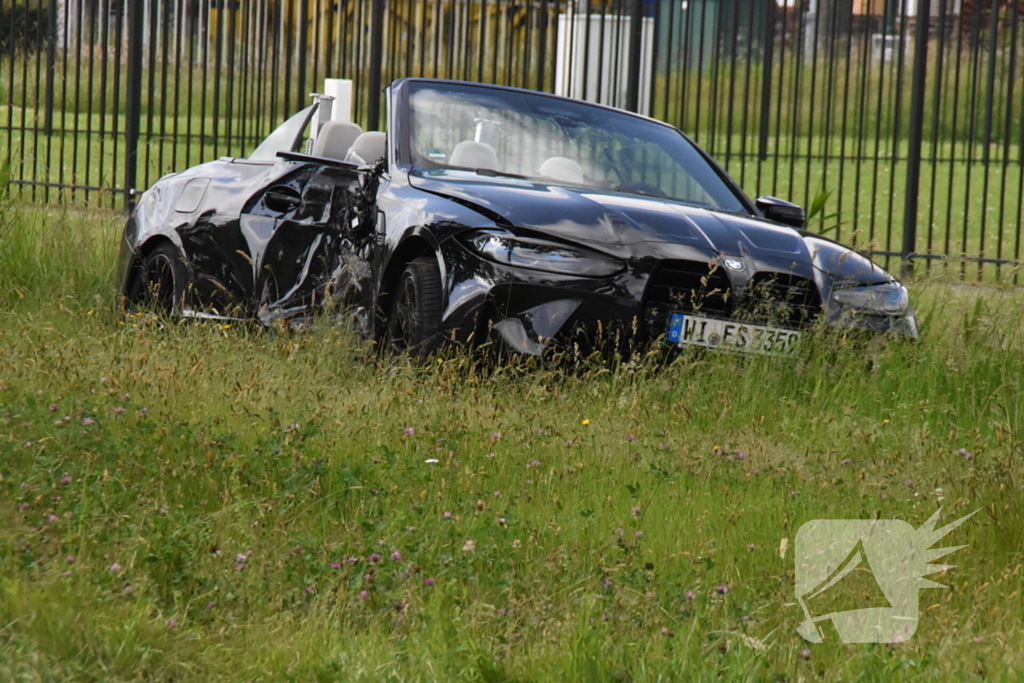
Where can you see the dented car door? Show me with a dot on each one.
(300, 234)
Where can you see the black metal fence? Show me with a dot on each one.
(901, 122)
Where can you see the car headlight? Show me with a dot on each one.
(537, 254)
(885, 299)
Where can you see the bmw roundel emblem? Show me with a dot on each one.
(734, 263)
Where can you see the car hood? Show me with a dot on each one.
(612, 219)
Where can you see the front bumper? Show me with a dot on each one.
(531, 312)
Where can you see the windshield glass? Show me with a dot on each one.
(464, 130)
(285, 137)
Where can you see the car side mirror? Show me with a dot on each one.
(781, 211)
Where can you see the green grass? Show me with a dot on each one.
(170, 451)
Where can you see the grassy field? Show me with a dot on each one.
(207, 502)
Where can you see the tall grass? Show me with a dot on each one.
(204, 502)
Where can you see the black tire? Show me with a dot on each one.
(159, 284)
(414, 321)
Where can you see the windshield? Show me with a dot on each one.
(465, 130)
(285, 137)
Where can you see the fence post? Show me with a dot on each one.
(766, 82)
(636, 32)
(542, 44)
(133, 105)
(304, 26)
(916, 133)
(51, 67)
(376, 63)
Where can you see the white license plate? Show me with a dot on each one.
(692, 330)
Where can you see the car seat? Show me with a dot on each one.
(563, 169)
(471, 154)
(367, 148)
(335, 139)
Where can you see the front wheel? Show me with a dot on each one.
(159, 285)
(414, 321)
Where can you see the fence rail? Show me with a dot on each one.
(908, 115)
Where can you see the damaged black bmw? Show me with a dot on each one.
(494, 214)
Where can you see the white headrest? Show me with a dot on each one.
(561, 168)
(367, 148)
(470, 154)
(335, 139)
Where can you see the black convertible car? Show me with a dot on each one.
(487, 213)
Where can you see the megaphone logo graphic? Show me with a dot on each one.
(857, 580)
